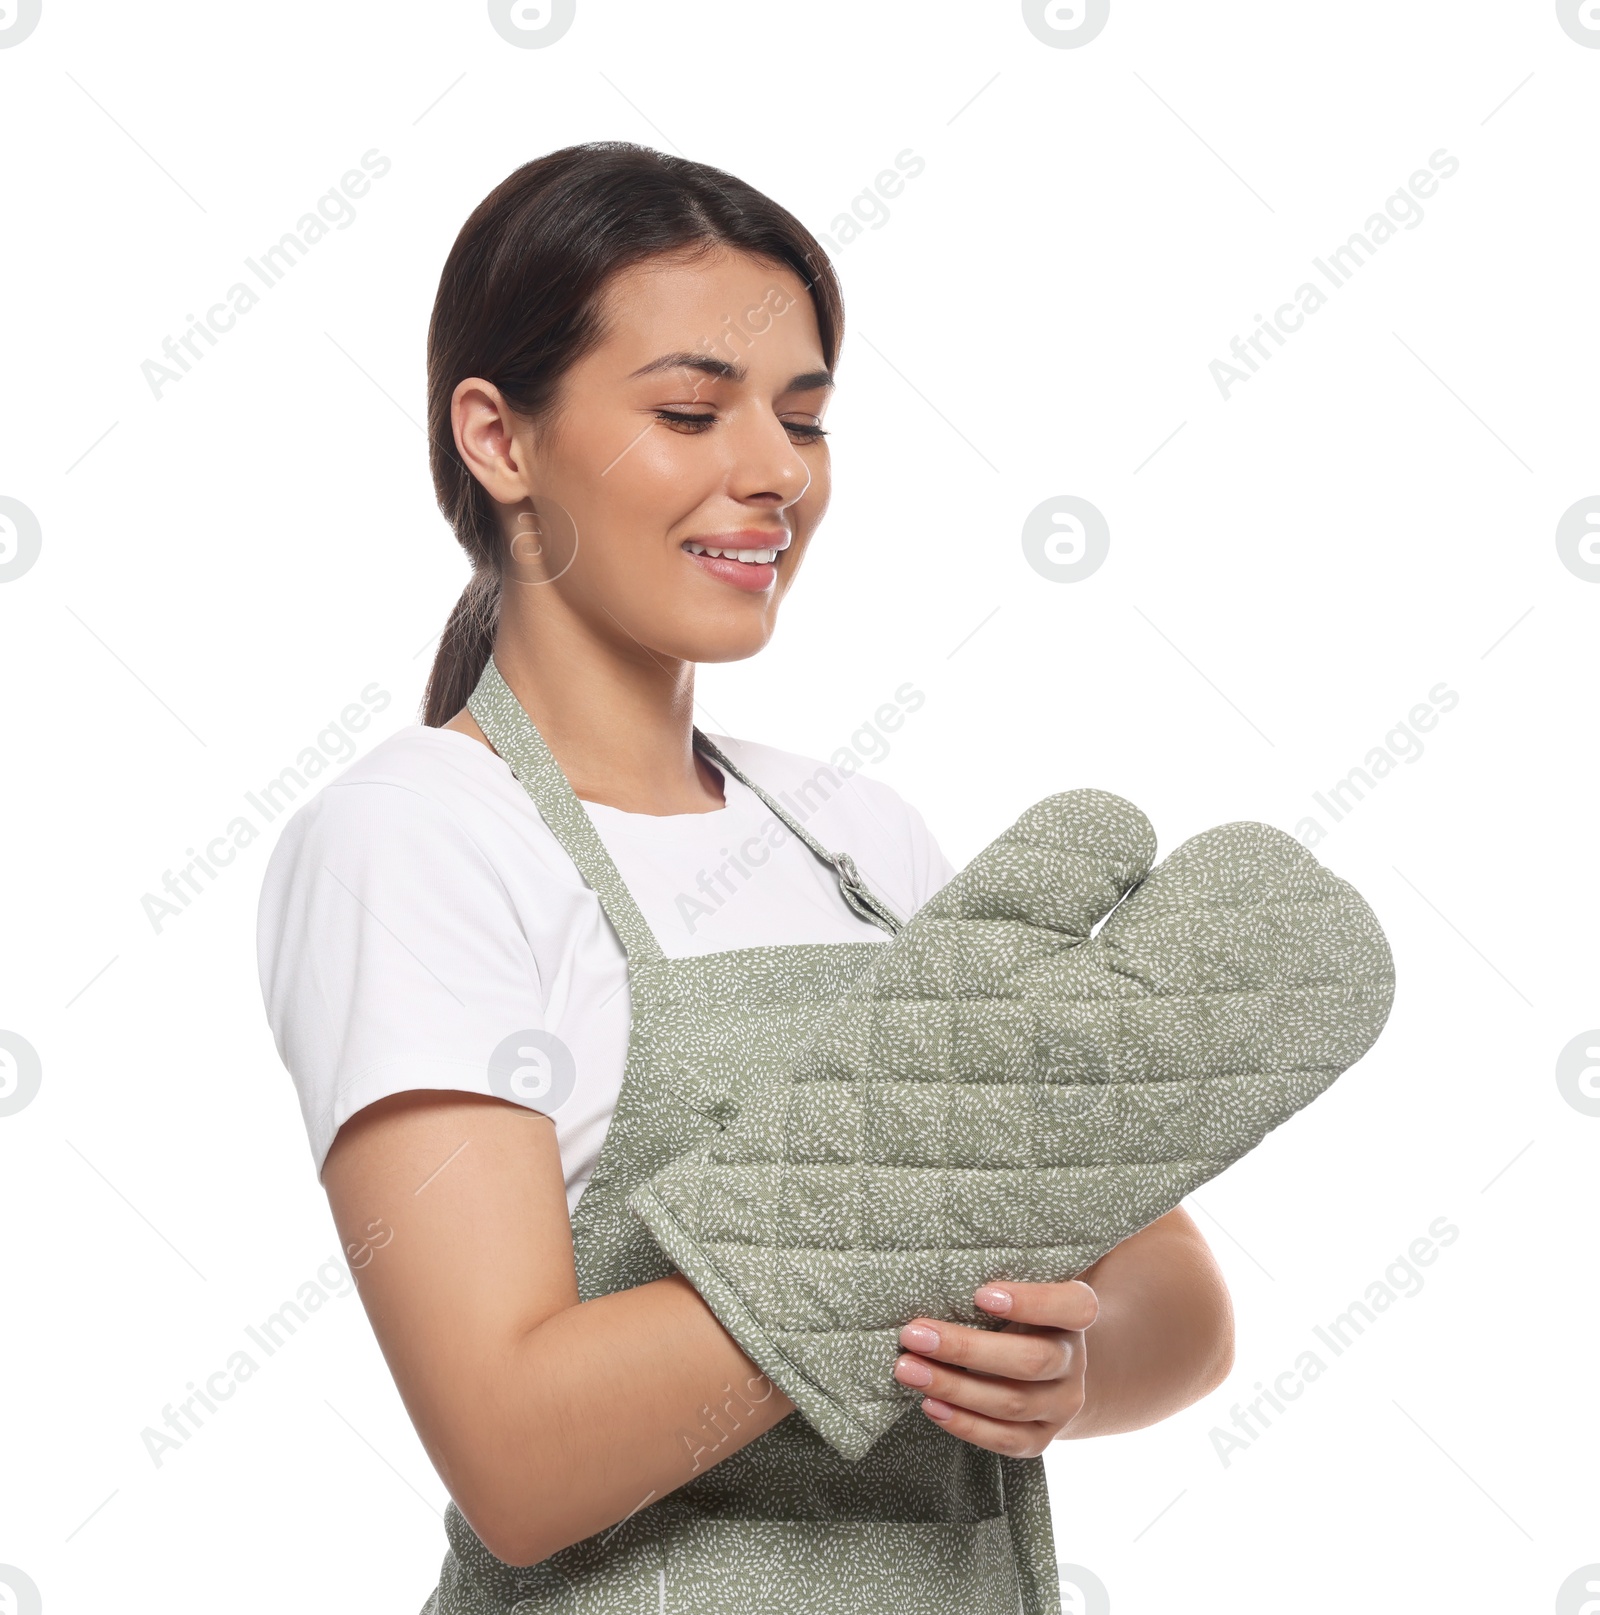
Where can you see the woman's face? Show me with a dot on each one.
(693, 427)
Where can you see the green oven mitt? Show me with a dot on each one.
(1002, 1095)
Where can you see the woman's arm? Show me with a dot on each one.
(546, 1420)
(1163, 1337)
(1160, 1319)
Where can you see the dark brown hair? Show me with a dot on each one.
(519, 303)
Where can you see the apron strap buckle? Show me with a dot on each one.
(857, 894)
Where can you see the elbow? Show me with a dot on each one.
(1221, 1356)
(503, 1503)
(1211, 1309)
(514, 1551)
(509, 1540)
(507, 1472)
(1221, 1362)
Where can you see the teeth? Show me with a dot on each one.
(749, 557)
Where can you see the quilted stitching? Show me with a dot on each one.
(922, 1521)
(1006, 1092)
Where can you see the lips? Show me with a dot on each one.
(745, 560)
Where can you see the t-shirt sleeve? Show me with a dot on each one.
(390, 955)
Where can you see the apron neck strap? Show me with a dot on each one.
(505, 720)
(511, 732)
(852, 887)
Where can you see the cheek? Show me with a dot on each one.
(622, 521)
(799, 548)
(814, 501)
(807, 512)
(641, 485)
(663, 465)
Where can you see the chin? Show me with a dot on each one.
(717, 642)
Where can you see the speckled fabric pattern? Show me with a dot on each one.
(923, 1521)
(1002, 1094)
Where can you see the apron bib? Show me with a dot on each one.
(924, 1522)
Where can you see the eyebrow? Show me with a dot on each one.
(725, 369)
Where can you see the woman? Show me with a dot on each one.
(494, 950)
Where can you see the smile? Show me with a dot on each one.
(745, 567)
(749, 557)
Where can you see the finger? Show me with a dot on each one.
(1008, 1354)
(1032, 895)
(1040, 888)
(1072, 1305)
(1010, 1401)
(995, 1435)
(1235, 985)
(1064, 865)
(1231, 868)
(1246, 906)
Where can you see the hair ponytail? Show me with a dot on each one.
(464, 647)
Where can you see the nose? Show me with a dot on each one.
(765, 466)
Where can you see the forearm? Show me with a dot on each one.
(605, 1407)
(547, 1419)
(1163, 1337)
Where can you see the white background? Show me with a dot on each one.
(224, 569)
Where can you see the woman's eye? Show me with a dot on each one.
(693, 423)
(804, 431)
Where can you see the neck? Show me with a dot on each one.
(617, 717)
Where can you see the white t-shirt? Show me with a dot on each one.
(418, 919)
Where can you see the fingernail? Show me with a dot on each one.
(914, 1337)
(992, 1300)
(913, 1371)
(936, 1409)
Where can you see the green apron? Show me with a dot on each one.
(925, 1522)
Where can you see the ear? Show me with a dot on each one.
(485, 430)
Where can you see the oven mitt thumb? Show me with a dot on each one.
(1002, 1095)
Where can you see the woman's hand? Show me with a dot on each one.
(1164, 1340)
(1012, 1390)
